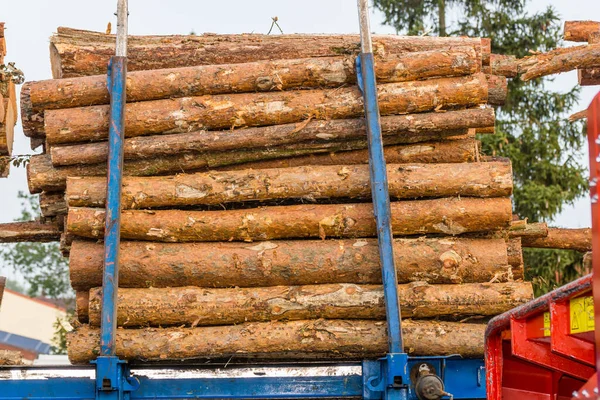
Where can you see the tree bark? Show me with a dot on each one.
(194, 306)
(228, 111)
(503, 65)
(41, 175)
(580, 57)
(559, 238)
(31, 231)
(515, 257)
(590, 76)
(260, 76)
(319, 339)
(9, 117)
(497, 89)
(411, 128)
(10, 357)
(4, 166)
(82, 305)
(579, 31)
(405, 181)
(450, 216)
(533, 230)
(53, 204)
(80, 53)
(2, 286)
(299, 262)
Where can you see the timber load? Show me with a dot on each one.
(247, 228)
(9, 75)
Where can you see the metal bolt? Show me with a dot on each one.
(575, 394)
(585, 393)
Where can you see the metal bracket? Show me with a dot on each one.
(112, 378)
(386, 378)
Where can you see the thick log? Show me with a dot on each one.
(31, 231)
(194, 306)
(450, 216)
(80, 53)
(560, 238)
(410, 128)
(591, 75)
(215, 112)
(11, 357)
(319, 339)
(504, 65)
(82, 306)
(41, 175)
(515, 255)
(267, 75)
(405, 181)
(52, 204)
(579, 31)
(300, 262)
(579, 57)
(497, 90)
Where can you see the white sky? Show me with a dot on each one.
(30, 23)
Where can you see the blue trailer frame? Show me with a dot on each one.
(392, 377)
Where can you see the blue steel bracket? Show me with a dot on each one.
(112, 378)
(386, 378)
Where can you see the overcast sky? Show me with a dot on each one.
(29, 24)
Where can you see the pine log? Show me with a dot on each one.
(267, 75)
(405, 181)
(591, 75)
(497, 90)
(318, 339)
(559, 238)
(52, 204)
(533, 230)
(450, 216)
(82, 305)
(515, 255)
(410, 128)
(504, 65)
(9, 120)
(579, 31)
(580, 57)
(215, 112)
(41, 175)
(31, 231)
(300, 262)
(80, 53)
(194, 306)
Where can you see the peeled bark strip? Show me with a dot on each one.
(194, 306)
(261, 76)
(579, 31)
(331, 339)
(451, 216)
(497, 89)
(41, 175)
(259, 109)
(580, 57)
(317, 182)
(559, 238)
(31, 231)
(411, 128)
(80, 53)
(299, 262)
(52, 204)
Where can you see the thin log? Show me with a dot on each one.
(260, 76)
(31, 231)
(533, 230)
(52, 204)
(405, 181)
(193, 306)
(497, 90)
(579, 31)
(406, 128)
(80, 53)
(450, 216)
(578, 115)
(561, 238)
(587, 56)
(319, 339)
(259, 109)
(42, 176)
(300, 262)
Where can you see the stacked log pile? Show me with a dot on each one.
(8, 109)
(247, 229)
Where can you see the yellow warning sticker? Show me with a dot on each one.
(546, 324)
(582, 314)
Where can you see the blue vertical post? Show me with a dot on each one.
(116, 81)
(379, 183)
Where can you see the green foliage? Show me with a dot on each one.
(41, 264)
(549, 269)
(59, 340)
(20, 160)
(532, 127)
